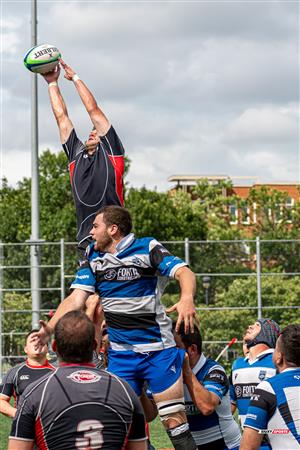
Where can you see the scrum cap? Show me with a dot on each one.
(268, 334)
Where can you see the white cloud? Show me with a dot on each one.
(200, 88)
(265, 123)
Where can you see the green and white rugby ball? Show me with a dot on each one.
(42, 58)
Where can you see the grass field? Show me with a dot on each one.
(159, 438)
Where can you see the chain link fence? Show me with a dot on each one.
(219, 266)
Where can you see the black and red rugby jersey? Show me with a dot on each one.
(79, 406)
(96, 180)
(19, 377)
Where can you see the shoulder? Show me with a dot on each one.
(10, 375)
(210, 364)
(214, 371)
(238, 363)
(265, 386)
(34, 389)
(14, 371)
(74, 141)
(143, 244)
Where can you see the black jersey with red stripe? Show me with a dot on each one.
(79, 406)
(20, 376)
(96, 180)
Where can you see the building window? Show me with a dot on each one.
(233, 214)
(254, 212)
(245, 215)
(289, 205)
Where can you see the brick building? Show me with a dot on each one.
(241, 186)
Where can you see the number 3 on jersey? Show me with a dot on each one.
(92, 435)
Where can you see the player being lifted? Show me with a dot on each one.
(130, 274)
(96, 166)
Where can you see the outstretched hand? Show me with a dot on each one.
(41, 337)
(52, 76)
(186, 313)
(69, 72)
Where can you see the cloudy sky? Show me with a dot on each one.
(192, 87)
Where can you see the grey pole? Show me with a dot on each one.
(62, 270)
(1, 307)
(35, 277)
(187, 251)
(258, 278)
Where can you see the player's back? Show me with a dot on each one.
(275, 408)
(77, 407)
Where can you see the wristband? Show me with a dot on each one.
(75, 77)
(53, 83)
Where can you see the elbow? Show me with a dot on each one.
(207, 411)
(92, 108)
(206, 408)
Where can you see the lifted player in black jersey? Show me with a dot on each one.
(20, 376)
(78, 406)
(96, 166)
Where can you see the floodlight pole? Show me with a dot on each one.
(35, 277)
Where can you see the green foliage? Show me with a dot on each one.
(165, 217)
(204, 215)
(276, 291)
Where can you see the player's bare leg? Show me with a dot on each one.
(171, 409)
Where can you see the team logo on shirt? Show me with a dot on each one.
(262, 375)
(84, 376)
(110, 274)
(122, 274)
(238, 391)
(24, 377)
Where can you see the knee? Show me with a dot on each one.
(172, 412)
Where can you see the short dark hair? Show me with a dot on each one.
(289, 344)
(190, 338)
(116, 215)
(75, 337)
(29, 333)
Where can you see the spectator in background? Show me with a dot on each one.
(78, 405)
(206, 397)
(20, 376)
(275, 405)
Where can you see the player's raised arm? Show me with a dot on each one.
(58, 105)
(97, 116)
(185, 307)
(75, 301)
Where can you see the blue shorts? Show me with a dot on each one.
(161, 369)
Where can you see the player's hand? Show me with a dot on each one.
(53, 75)
(186, 369)
(94, 309)
(41, 337)
(186, 313)
(69, 72)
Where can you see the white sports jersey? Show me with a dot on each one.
(275, 410)
(246, 374)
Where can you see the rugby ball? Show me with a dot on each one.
(42, 58)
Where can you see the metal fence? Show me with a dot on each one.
(216, 263)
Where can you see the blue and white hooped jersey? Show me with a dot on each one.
(275, 409)
(246, 375)
(130, 284)
(220, 424)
